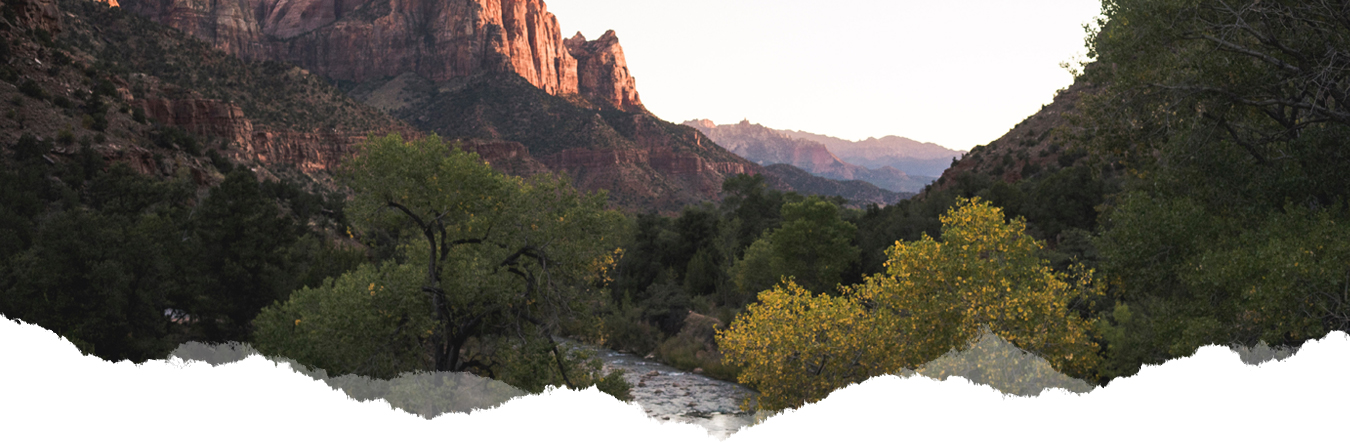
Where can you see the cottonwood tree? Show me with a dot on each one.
(505, 264)
(796, 346)
(814, 245)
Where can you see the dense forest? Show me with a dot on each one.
(1195, 195)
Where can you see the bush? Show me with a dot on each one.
(1031, 169)
(695, 347)
(105, 88)
(43, 36)
(173, 137)
(221, 163)
(31, 89)
(625, 330)
(1071, 156)
(28, 147)
(99, 122)
(65, 137)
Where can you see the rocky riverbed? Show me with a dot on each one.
(667, 393)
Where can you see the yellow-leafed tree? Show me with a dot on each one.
(935, 296)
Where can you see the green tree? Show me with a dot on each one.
(751, 208)
(505, 263)
(239, 246)
(813, 245)
(1229, 118)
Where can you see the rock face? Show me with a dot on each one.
(363, 40)
(200, 116)
(767, 146)
(37, 14)
(507, 157)
(602, 71)
(306, 151)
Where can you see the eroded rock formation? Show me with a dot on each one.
(362, 40)
(306, 151)
(603, 72)
(36, 14)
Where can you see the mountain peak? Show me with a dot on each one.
(768, 146)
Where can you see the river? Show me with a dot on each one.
(667, 393)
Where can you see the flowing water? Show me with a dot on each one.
(667, 393)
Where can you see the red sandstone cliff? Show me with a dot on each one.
(306, 151)
(507, 157)
(361, 40)
(603, 72)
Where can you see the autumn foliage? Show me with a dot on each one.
(935, 296)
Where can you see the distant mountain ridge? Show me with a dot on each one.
(908, 156)
(767, 146)
(858, 192)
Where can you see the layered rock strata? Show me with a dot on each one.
(36, 14)
(363, 40)
(602, 70)
(306, 151)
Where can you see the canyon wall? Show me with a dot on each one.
(362, 40)
(36, 14)
(306, 151)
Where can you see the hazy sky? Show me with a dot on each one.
(958, 73)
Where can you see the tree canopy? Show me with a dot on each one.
(796, 346)
(1230, 116)
(490, 269)
(814, 244)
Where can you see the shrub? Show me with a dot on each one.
(220, 162)
(625, 330)
(1030, 169)
(98, 122)
(31, 89)
(65, 137)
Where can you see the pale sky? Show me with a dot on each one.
(958, 73)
